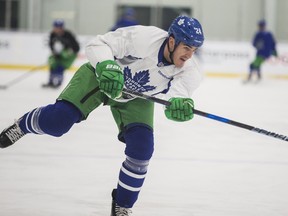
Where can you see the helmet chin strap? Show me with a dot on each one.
(171, 53)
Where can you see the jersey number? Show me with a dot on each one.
(198, 31)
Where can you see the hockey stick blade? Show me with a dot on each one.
(211, 116)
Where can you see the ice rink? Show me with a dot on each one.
(200, 168)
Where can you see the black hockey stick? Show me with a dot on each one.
(22, 76)
(211, 116)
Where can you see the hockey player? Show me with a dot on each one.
(140, 58)
(64, 48)
(265, 46)
(128, 18)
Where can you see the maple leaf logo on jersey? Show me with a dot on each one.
(139, 81)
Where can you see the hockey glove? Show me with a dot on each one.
(181, 109)
(66, 53)
(110, 77)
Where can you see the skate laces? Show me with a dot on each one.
(14, 132)
(120, 211)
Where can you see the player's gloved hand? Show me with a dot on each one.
(181, 109)
(110, 77)
(66, 53)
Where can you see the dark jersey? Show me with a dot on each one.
(124, 23)
(264, 43)
(67, 39)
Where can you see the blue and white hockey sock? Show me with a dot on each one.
(131, 179)
(29, 122)
(54, 119)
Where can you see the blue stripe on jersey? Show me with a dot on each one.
(161, 60)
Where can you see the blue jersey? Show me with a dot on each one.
(264, 43)
(124, 23)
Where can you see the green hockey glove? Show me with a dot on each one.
(66, 53)
(110, 77)
(181, 109)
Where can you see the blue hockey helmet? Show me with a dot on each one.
(58, 23)
(129, 12)
(262, 23)
(187, 30)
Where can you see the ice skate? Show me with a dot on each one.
(10, 135)
(50, 85)
(116, 210)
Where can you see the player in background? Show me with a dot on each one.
(265, 45)
(163, 65)
(64, 48)
(128, 18)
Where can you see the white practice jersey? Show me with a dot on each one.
(139, 51)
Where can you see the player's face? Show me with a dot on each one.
(58, 30)
(182, 53)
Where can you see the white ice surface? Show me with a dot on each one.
(200, 168)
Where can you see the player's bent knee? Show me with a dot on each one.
(57, 119)
(252, 66)
(139, 141)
